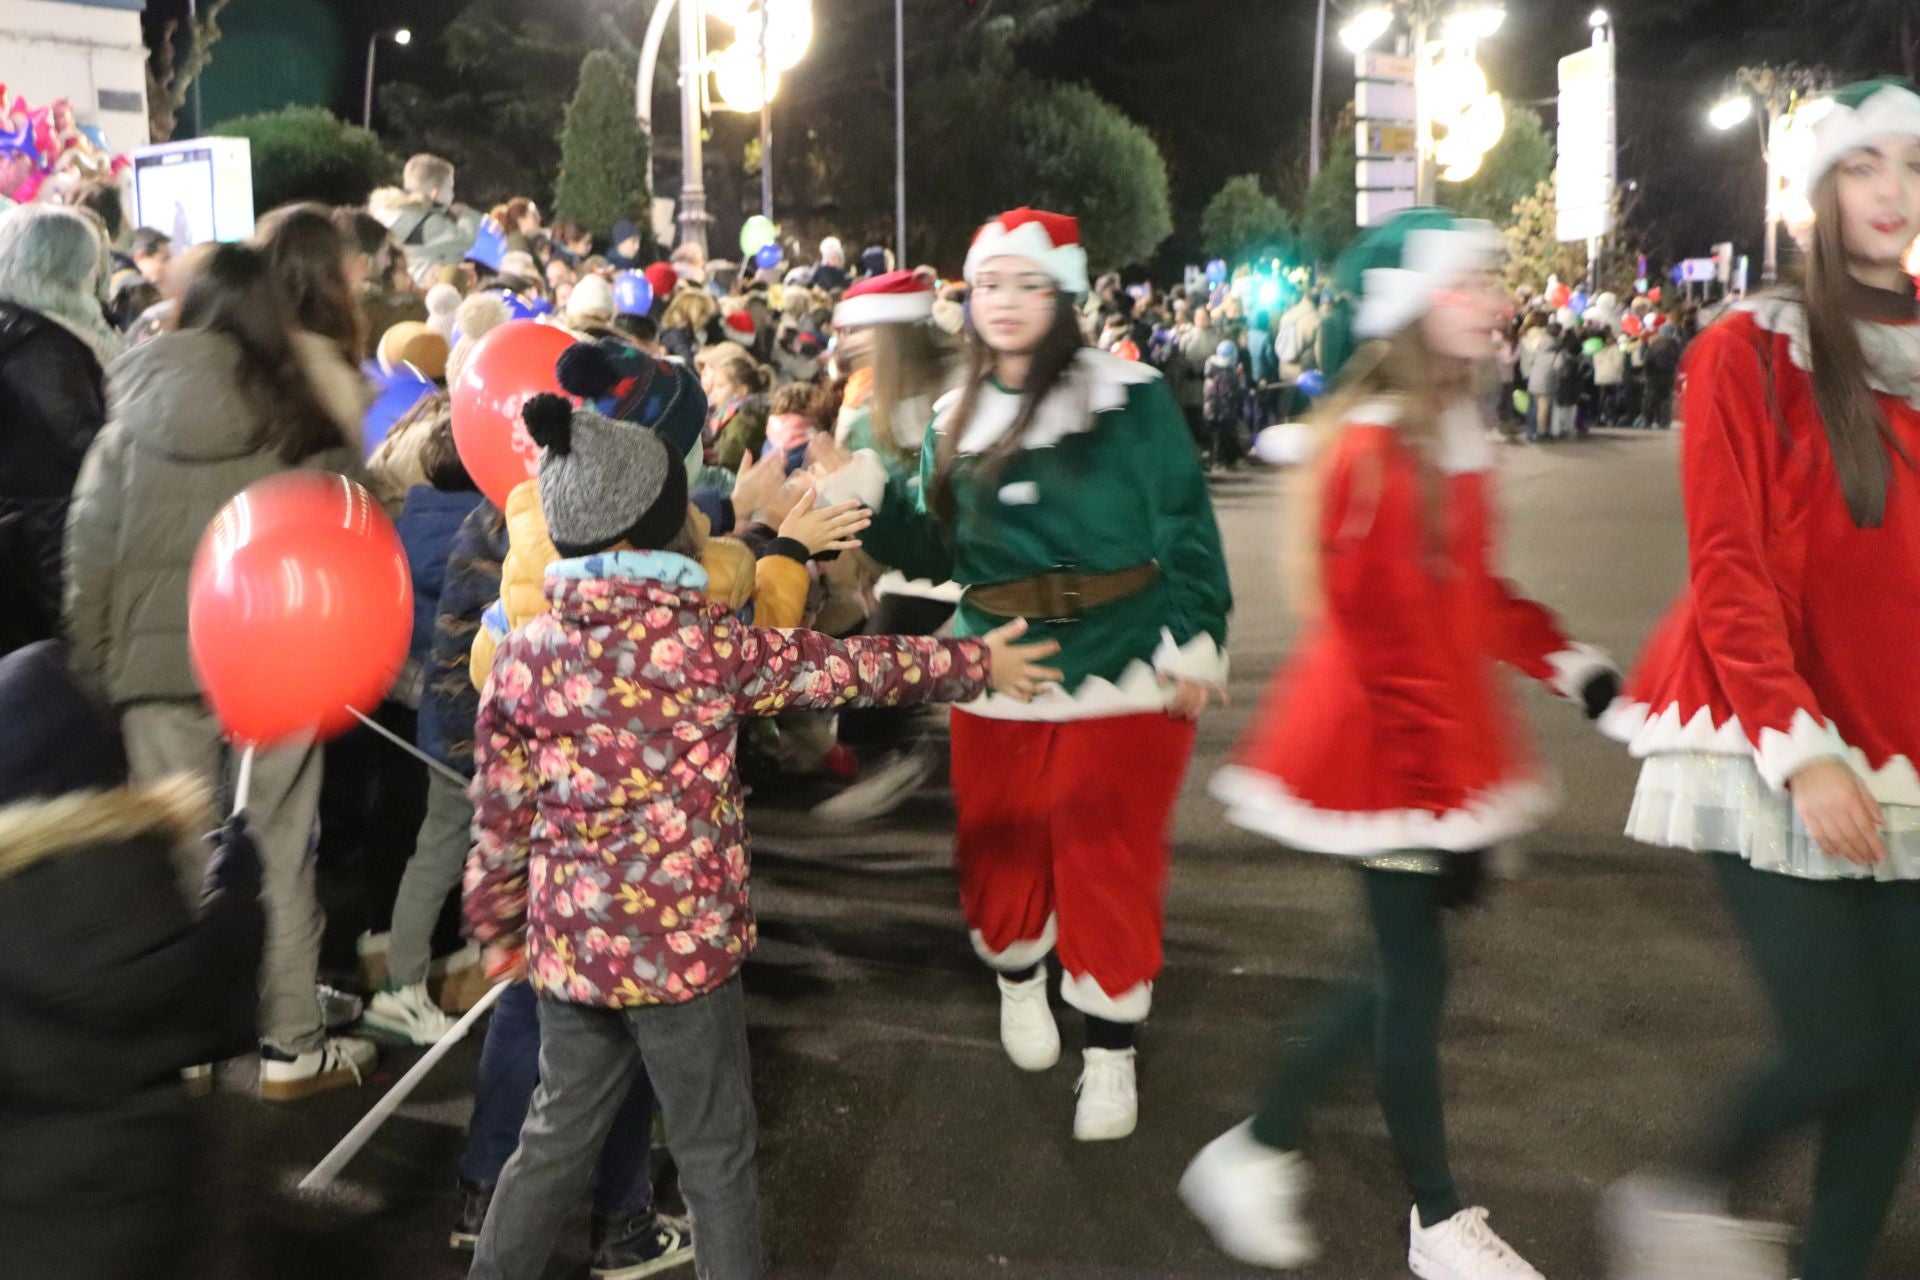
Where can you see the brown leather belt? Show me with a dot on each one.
(1062, 595)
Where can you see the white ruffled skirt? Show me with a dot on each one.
(1719, 803)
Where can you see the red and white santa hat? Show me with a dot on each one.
(1050, 241)
(898, 297)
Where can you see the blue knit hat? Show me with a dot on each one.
(626, 383)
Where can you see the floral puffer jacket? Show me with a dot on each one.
(608, 816)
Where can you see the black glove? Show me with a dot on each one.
(235, 864)
(1598, 693)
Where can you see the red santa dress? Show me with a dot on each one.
(1792, 639)
(1388, 730)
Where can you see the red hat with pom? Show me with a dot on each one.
(1049, 240)
(898, 297)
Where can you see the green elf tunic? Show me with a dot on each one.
(1106, 480)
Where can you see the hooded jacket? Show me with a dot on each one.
(182, 438)
(53, 402)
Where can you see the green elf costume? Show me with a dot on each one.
(1095, 525)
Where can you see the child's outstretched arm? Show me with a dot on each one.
(778, 670)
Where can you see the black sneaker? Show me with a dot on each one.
(629, 1248)
(474, 1200)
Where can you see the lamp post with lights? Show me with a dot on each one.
(402, 37)
(1782, 102)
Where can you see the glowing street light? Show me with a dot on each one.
(1477, 22)
(402, 37)
(1598, 19)
(1730, 112)
(1365, 27)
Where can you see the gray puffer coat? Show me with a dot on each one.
(182, 437)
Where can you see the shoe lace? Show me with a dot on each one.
(334, 1057)
(1482, 1239)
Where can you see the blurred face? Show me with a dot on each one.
(1013, 304)
(1879, 189)
(628, 248)
(530, 220)
(560, 275)
(153, 266)
(359, 268)
(1202, 318)
(853, 348)
(1461, 322)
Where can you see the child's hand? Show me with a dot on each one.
(825, 455)
(825, 528)
(784, 501)
(1014, 668)
(757, 485)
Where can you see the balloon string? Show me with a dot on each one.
(449, 774)
(243, 783)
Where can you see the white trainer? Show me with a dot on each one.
(882, 789)
(287, 1077)
(406, 1013)
(1027, 1030)
(1464, 1247)
(1109, 1105)
(1249, 1197)
(1668, 1229)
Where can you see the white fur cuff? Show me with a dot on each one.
(865, 478)
(1016, 955)
(1084, 994)
(1574, 665)
(1781, 755)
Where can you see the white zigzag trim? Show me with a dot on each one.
(1139, 688)
(1778, 757)
(1261, 803)
(1574, 665)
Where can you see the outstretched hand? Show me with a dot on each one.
(1015, 669)
(757, 485)
(819, 529)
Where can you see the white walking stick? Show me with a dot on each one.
(324, 1173)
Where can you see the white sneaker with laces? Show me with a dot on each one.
(1249, 1197)
(1027, 1029)
(286, 1076)
(1109, 1105)
(1667, 1229)
(883, 789)
(1464, 1247)
(406, 1013)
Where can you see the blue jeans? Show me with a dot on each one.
(509, 1072)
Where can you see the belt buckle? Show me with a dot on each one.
(1063, 596)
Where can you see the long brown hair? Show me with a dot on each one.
(233, 292)
(308, 256)
(1858, 433)
(1421, 385)
(909, 361)
(1051, 360)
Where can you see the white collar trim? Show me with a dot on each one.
(1098, 382)
(1892, 350)
(1464, 447)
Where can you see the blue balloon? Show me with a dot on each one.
(632, 293)
(405, 389)
(1217, 271)
(768, 256)
(1579, 302)
(1312, 384)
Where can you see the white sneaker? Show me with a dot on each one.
(1109, 1105)
(1464, 1247)
(338, 1008)
(1667, 1229)
(1249, 1197)
(883, 789)
(406, 1013)
(287, 1076)
(1027, 1030)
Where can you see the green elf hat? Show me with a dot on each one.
(1860, 113)
(1396, 268)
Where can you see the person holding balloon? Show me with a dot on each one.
(198, 415)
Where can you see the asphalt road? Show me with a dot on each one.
(1598, 999)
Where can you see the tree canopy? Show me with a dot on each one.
(1242, 220)
(306, 153)
(603, 154)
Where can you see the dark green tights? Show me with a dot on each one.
(1397, 1012)
(1840, 962)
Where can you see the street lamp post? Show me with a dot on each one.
(1775, 92)
(402, 37)
(1319, 75)
(693, 186)
(900, 130)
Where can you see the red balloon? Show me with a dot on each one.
(1630, 325)
(510, 365)
(299, 608)
(1559, 296)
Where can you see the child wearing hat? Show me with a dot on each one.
(611, 850)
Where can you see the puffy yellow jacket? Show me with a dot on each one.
(776, 585)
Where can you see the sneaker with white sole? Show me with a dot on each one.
(1464, 1247)
(1249, 1197)
(882, 789)
(1669, 1229)
(286, 1076)
(1027, 1030)
(634, 1248)
(406, 1013)
(1109, 1105)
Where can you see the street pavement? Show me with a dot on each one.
(1598, 1001)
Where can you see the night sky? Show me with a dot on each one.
(1222, 84)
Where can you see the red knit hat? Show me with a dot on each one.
(898, 297)
(662, 277)
(741, 323)
(1049, 240)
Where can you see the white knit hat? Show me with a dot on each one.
(591, 301)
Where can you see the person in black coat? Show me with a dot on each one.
(52, 402)
(110, 987)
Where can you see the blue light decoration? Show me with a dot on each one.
(1640, 285)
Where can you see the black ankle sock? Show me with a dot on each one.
(1022, 975)
(1102, 1034)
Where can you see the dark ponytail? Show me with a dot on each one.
(233, 293)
